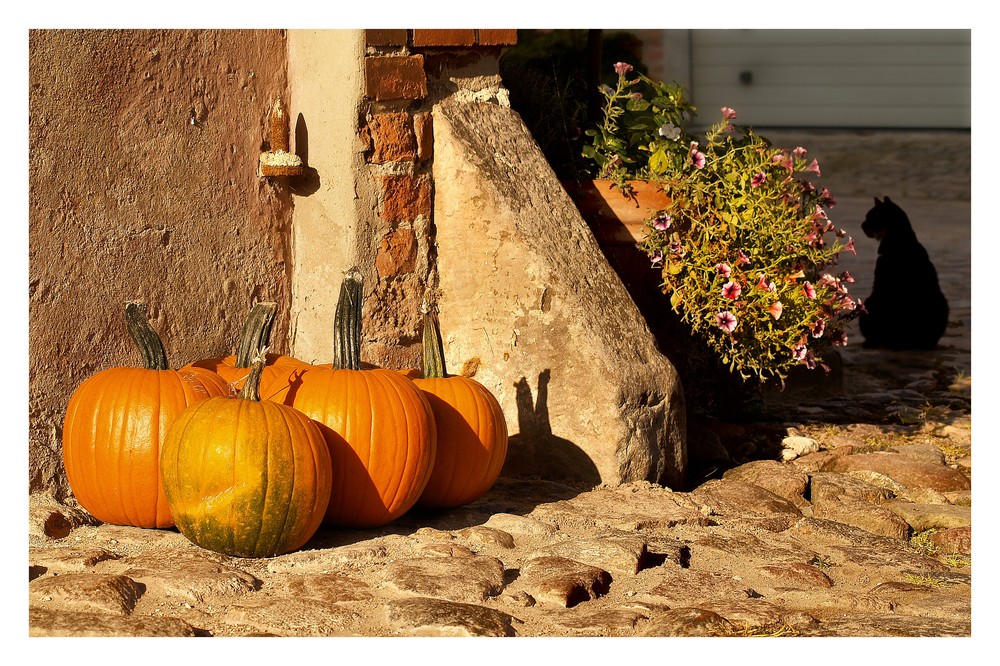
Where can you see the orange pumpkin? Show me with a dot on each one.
(255, 335)
(246, 477)
(378, 425)
(472, 431)
(115, 423)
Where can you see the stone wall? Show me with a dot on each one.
(406, 71)
(143, 155)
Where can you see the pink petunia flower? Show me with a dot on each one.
(723, 270)
(728, 113)
(677, 248)
(785, 160)
(766, 284)
(799, 352)
(726, 321)
(742, 258)
(697, 157)
(758, 179)
(814, 167)
(799, 152)
(809, 290)
(662, 222)
(827, 199)
(775, 310)
(732, 290)
(828, 280)
(850, 246)
(848, 304)
(656, 257)
(838, 337)
(818, 328)
(622, 68)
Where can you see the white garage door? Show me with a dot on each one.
(834, 78)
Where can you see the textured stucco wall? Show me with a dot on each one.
(332, 200)
(143, 153)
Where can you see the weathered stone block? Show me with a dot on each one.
(434, 617)
(45, 622)
(907, 471)
(525, 290)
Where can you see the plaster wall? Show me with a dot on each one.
(142, 185)
(327, 81)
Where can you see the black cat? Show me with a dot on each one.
(906, 309)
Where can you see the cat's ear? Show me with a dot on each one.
(877, 202)
(887, 200)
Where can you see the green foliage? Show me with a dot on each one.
(923, 543)
(629, 144)
(924, 580)
(957, 561)
(552, 76)
(743, 245)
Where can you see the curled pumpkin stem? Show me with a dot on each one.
(347, 323)
(433, 348)
(154, 356)
(251, 389)
(256, 332)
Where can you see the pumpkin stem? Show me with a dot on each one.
(433, 348)
(154, 356)
(251, 389)
(256, 333)
(347, 323)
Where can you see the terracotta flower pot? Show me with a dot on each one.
(615, 219)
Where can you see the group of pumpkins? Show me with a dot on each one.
(255, 473)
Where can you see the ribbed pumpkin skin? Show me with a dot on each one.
(382, 439)
(115, 424)
(277, 367)
(246, 478)
(472, 440)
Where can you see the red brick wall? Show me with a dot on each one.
(398, 133)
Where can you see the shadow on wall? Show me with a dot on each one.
(308, 183)
(535, 451)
